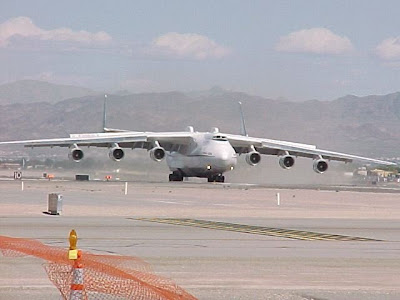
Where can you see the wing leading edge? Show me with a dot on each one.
(243, 144)
(127, 139)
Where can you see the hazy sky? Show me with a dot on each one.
(293, 49)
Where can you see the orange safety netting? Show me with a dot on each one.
(105, 276)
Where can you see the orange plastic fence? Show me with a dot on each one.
(105, 276)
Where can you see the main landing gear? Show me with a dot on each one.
(176, 176)
(216, 178)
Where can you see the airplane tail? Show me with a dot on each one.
(105, 114)
(105, 128)
(243, 130)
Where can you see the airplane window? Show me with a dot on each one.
(219, 138)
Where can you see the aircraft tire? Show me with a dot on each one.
(220, 178)
(175, 177)
(216, 178)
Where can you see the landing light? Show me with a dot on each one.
(208, 167)
(231, 168)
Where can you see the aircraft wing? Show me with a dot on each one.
(129, 139)
(243, 144)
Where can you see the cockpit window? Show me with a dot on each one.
(219, 138)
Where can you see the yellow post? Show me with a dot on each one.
(73, 239)
(77, 287)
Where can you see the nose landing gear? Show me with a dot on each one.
(216, 178)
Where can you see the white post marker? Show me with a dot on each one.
(278, 198)
(22, 185)
(126, 188)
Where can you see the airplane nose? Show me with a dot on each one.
(226, 161)
(224, 156)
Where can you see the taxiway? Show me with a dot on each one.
(216, 261)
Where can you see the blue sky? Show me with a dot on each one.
(297, 50)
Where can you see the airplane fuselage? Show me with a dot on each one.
(209, 154)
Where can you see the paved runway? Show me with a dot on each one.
(217, 256)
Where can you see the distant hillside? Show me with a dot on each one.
(29, 91)
(361, 125)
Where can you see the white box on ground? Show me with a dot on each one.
(55, 203)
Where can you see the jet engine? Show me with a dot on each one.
(157, 153)
(320, 165)
(116, 153)
(253, 158)
(286, 161)
(76, 154)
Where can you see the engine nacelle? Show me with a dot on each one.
(286, 161)
(253, 158)
(116, 153)
(320, 165)
(75, 154)
(157, 153)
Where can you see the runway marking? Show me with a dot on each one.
(259, 230)
(169, 202)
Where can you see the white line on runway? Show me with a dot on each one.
(170, 202)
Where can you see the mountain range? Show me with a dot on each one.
(366, 126)
(29, 91)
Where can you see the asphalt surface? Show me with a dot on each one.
(215, 261)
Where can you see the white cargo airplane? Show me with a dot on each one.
(196, 154)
